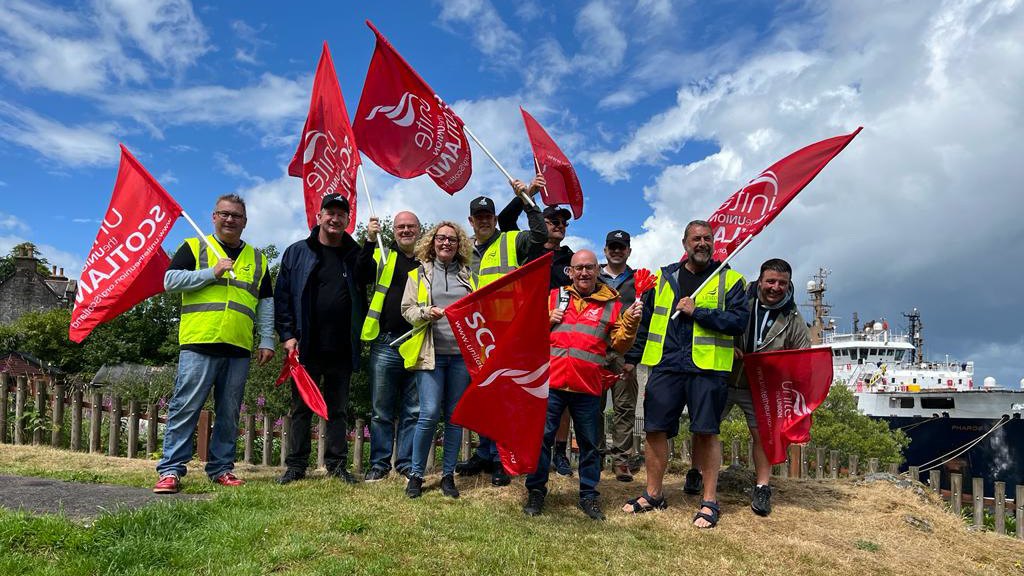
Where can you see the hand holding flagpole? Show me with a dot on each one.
(373, 214)
(209, 245)
(721, 268)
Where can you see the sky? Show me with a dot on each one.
(665, 109)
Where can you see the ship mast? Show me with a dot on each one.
(914, 318)
(822, 324)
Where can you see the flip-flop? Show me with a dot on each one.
(650, 504)
(711, 518)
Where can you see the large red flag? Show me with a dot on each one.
(326, 158)
(405, 128)
(503, 332)
(787, 386)
(752, 207)
(126, 264)
(562, 185)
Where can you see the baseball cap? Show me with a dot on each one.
(617, 237)
(334, 200)
(481, 204)
(557, 212)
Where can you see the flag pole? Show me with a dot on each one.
(409, 334)
(216, 249)
(369, 204)
(525, 197)
(536, 165)
(721, 268)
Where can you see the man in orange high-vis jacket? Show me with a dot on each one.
(587, 322)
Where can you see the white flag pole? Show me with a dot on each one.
(216, 249)
(409, 334)
(369, 204)
(525, 197)
(721, 268)
(537, 166)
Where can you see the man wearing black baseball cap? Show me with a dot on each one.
(320, 302)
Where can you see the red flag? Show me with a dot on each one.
(308, 390)
(562, 186)
(405, 128)
(326, 158)
(752, 207)
(787, 386)
(503, 332)
(126, 264)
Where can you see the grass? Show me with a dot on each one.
(321, 526)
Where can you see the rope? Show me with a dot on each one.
(916, 424)
(965, 447)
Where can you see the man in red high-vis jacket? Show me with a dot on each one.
(587, 322)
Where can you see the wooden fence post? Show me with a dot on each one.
(40, 416)
(935, 480)
(854, 459)
(250, 437)
(955, 492)
(57, 434)
(1019, 501)
(978, 500)
(749, 444)
(114, 438)
(431, 455)
(794, 461)
(467, 444)
(5, 393)
(76, 420)
(203, 436)
(286, 438)
(321, 443)
(833, 461)
(152, 426)
(357, 455)
(803, 461)
(873, 465)
(19, 410)
(735, 452)
(819, 462)
(268, 439)
(1000, 508)
(894, 468)
(95, 418)
(914, 472)
(133, 428)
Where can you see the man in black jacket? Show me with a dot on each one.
(319, 304)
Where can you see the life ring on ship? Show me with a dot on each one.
(949, 382)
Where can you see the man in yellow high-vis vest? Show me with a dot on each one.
(496, 253)
(690, 359)
(218, 312)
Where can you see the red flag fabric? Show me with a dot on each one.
(405, 128)
(326, 158)
(126, 264)
(787, 386)
(562, 185)
(503, 332)
(308, 390)
(752, 207)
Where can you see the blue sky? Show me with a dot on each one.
(664, 107)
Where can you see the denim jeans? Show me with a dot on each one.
(440, 388)
(585, 411)
(487, 450)
(197, 375)
(395, 404)
(333, 373)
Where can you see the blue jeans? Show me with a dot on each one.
(395, 402)
(197, 375)
(585, 411)
(487, 450)
(441, 387)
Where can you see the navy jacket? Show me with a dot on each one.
(292, 299)
(677, 353)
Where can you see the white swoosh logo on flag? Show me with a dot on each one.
(404, 108)
(311, 139)
(522, 377)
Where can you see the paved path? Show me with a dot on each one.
(75, 499)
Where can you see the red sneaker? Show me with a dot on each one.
(229, 479)
(168, 484)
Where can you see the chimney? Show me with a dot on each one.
(61, 272)
(54, 271)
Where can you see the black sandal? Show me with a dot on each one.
(711, 518)
(694, 483)
(650, 504)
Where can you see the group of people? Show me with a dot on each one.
(332, 295)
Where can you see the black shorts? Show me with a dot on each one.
(667, 392)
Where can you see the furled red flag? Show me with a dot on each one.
(562, 186)
(326, 158)
(405, 128)
(127, 263)
(503, 332)
(752, 207)
(304, 383)
(787, 386)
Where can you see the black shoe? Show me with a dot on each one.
(414, 489)
(448, 486)
(473, 466)
(375, 475)
(534, 503)
(694, 483)
(499, 477)
(592, 507)
(343, 475)
(636, 463)
(761, 500)
(561, 464)
(405, 472)
(291, 475)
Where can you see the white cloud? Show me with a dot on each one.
(603, 42)
(250, 40)
(276, 214)
(229, 166)
(71, 263)
(167, 178)
(81, 145)
(12, 222)
(491, 35)
(166, 30)
(577, 243)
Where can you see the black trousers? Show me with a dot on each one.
(332, 373)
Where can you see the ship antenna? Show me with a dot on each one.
(821, 325)
(916, 338)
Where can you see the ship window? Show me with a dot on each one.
(915, 380)
(937, 403)
(899, 355)
(901, 402)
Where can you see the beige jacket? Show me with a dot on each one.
(789, 332)
(420, 315)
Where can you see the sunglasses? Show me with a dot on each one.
(558, 222)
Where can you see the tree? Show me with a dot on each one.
(7, 262)
(840, 426)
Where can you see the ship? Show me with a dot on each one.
(955, 424)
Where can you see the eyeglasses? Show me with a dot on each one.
(442, 239)
(407, 226)
(225, 215)
(558, 222)
(584, 267)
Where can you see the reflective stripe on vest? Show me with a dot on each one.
(385, 274)
(223, 311)
(499, 259)
(710, 350)
(410, 349)
(579, 346)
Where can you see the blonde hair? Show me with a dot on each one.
(425, 245)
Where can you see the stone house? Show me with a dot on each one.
(27, 290)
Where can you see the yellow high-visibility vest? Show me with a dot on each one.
(410, 349)
(385, 274)
(499, 259)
